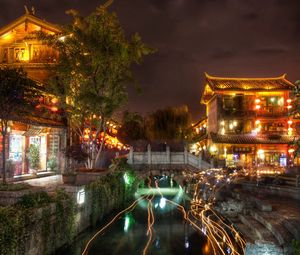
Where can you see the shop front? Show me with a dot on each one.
(34, 149)
(272, 155)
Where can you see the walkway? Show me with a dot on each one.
(49, 183)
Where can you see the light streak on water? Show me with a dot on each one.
(222, 238)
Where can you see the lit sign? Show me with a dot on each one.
(80, 196)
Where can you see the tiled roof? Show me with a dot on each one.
(31, 18)
(251, 139)
(252, 84)
(40, 121)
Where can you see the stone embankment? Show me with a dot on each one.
(268, 223)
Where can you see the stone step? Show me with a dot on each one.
(258, 229)
(246, 232)
(255, 201)
(293, 226)
(274, 223)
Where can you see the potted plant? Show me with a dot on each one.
(75, 156)
(52, 162)
(33, 155)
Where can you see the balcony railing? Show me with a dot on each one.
(263, 112)
(272, 111)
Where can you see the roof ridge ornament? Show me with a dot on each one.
(26, 9)
(27, 12)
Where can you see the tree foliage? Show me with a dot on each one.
(18, 97)
(132, 129)
(94, 68)
(295, 112)
(172, 123)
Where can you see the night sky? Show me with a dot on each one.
(237, 38)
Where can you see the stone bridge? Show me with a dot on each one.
(167, 160)
(144, 171)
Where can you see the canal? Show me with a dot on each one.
(130, 235)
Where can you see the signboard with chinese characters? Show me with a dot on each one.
(242, 150)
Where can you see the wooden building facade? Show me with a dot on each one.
(249, 121)
(20, 47)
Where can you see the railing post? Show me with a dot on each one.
(149, 154)
(130, 156)
(168, 154)
(297, 181)
(200, 160)
(185, 155)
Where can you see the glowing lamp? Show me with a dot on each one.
(223, 123)
(257, 107)
(126, 179)
(289, 106)
(54, 100)
(80, 196)
(62, 38)
(257, 100)
(291, 150)
(289, 101)
(257, 122)
(213, 148)
(162, 203)
(54, 109)
(260, 152)
(290, 122)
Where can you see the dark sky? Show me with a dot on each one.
(247, 38)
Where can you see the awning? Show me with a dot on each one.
(33, 131)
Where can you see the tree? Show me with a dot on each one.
(18, 97)
(295, 112)
(95, 66)
(132, 129)
(172, 123)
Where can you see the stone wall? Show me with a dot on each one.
(45, 229)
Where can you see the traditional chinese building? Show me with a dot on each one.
(20, 47)
(248, 121)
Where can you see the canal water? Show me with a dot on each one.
(128, 235)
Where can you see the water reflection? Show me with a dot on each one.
(128, 235)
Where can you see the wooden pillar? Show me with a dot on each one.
(185, 155)
(200, 160)
(149, 154)
(130, 155)
(168, 154)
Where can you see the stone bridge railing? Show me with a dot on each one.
(167, 158)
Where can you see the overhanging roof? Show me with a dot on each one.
(40, 121)
(31, 18)
(248, 84)
(251, 139)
